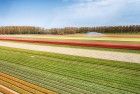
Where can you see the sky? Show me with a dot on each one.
(65, 13)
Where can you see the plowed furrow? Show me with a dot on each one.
(6, 90)
(13, 87)
(25, 85)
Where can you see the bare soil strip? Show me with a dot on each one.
(109, 55)
(6, 90)
(25, 85)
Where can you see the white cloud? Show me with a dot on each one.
(87, 10)
(76, 13)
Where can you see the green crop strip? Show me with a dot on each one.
(71, 74)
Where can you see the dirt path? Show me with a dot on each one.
(118, 56)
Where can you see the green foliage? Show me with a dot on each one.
(69, 30)
(71, 74)
(101, 29)
(20, 30)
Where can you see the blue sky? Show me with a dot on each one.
(63, 13)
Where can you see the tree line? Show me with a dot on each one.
(21, 30)
(68, 30)
(99, 29)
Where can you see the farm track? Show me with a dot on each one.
(122, 36)
(21, 86)
(77, 43)
(117, 56)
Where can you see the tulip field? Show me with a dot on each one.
(69, 46)
(27, 72)
(100, 41)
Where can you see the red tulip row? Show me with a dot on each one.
(77, 43)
